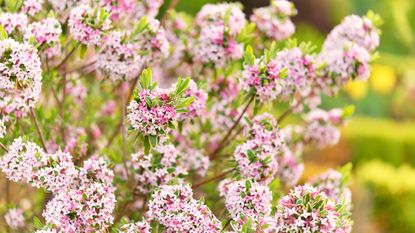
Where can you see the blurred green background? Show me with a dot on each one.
(380, 140)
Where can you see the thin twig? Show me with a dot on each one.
(289, 111)
(67, 56)
(235, 124)
(39, 132)
(213, 178)
(226, 224)
(123, 135)
(172, 5)
(4, 147)
(118, 127)
(80, 68)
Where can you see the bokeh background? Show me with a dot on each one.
(380, 140)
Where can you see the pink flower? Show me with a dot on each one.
(86, 26)
(247, 199)
(306, 209)
(32, 7)
(358, 30)
(174, 207)
(274, 20)
(161, 166)
(15, 219)
(20, 76)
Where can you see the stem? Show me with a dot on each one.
(118, 127)
(172, 5)
(213, 178)
(39, 132)
(4, 147)
(225, 139)
(80, 68)
(226, 224)
(123, 135)
(67, 56)
(289, 111)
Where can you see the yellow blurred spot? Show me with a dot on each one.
(383, 78)
(356, 89)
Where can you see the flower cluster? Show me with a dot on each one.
(220, 24)
(362, 31)
(20, 76)
(13, 22)
(305, 209)
(137, 227)
(85, 209)
(347, 52)
(175, 208)
(87, 25)
(266, 80)
(322, 127)
(153, 110)
(247, 199)
(159, 167)
(274, 20)
(257, 158)
(26, 162)
(96, 169)
(32, 7)
(333, 184)
(300, 71)
(290, 168)
(14, 218)
(124, 54)
(46, 33)
(198, 105)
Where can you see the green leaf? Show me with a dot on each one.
(84, 49)
(147, 145)
(153, 140)
(37, 223)
(3, 33)
(146, 79)
(249, 56)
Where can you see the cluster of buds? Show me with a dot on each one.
(274, 20)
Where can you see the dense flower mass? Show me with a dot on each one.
(333, 184)
(266, 80)
(305, 209)
(87, 25)
(198, 105)
(274, 20)
(12, 22)
(20, 76)
(175, 208)
(322, 127)
(85, 209)
(46, 33)
(153, 110)
(341, 65)
(14, 218)
(26, 162)
(220, 24)
(159, 167)
(32, 7)
(109, 149)
(300, 71)
(245, 200)
(359, 30)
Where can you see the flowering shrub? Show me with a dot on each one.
(94, 117)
